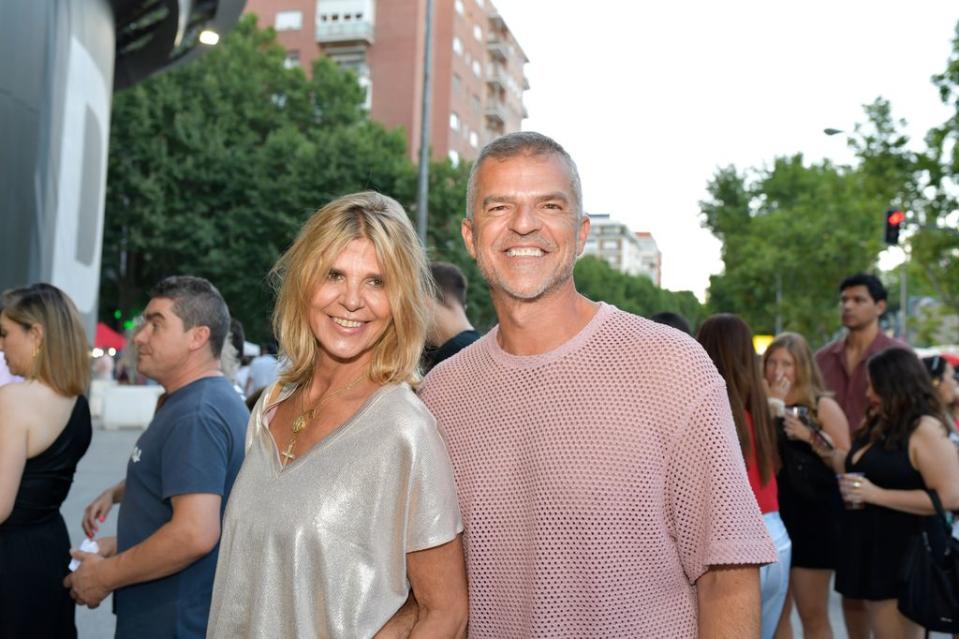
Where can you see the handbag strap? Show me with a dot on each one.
(940, 511)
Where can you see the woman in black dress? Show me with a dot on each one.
(902, 449)
(44, 431)
(809, 500)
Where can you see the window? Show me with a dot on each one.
(458, 5)
(477, 69)
(454, 157)
(288, 21)
(477, 33)
(474, 139)
(454, 121)
(457, 46)
(292, 59)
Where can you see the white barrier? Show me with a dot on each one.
(98, 389)
(129, 406)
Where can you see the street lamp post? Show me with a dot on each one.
(423, 177)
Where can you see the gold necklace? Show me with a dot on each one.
(300, 422)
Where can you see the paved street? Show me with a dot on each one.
(105, 464)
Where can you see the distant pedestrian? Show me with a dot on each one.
(729, 342)
(450, 330)
(862, 300)
(943, 376)
(809, 499)
(161, 564)
(44, 431)
(675, 320)
(264, 369)
(901, 451)
(602, 488)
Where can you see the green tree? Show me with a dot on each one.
(790, 233)
(214, 166)
(636, 294)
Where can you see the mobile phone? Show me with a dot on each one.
(818, 436)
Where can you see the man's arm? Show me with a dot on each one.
(96, 513)
(191, 533)
(438, 581)
(729, 602)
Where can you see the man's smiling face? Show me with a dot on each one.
(525, 233)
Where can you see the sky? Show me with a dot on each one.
(650, 98)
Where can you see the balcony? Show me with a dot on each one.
(496, 114)
(496, 77)
(344, 31)
(498, 49)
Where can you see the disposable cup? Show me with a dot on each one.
(850, 498)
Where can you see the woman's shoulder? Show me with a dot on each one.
(31, 402)
(404, 409)
(930, 428)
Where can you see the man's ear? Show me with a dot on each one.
(199, 337)
(466, 229)
(582, 233)
(882, 306)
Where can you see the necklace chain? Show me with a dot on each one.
(301, 421)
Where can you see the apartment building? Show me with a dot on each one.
(625, 251)
(478, 76)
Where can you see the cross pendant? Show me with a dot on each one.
(288, 455)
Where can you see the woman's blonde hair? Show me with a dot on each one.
(62, 361)
(808, 380)
(382, 221)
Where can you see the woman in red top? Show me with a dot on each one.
(729, 342)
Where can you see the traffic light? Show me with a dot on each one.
(894, 220)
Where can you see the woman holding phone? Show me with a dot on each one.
(809, 500)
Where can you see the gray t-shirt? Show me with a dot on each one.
(193, 445)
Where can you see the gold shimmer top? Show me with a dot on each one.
(318, 548)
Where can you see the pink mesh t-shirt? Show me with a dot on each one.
(597, 482)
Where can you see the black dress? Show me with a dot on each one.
(874, 539)
(809, 504)
(34, 545)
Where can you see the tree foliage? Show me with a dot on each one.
(790, 233)
(636, 294)
(215, 165)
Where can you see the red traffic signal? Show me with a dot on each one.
(894, 220)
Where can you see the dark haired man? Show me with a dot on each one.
(179, 476)
(862, 299)
(450, 330)
(843, 362)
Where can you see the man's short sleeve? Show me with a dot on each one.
(195, 457)
(433, 515)
(714, 515)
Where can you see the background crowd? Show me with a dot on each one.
(843, 452)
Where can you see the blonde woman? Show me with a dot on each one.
(44, 431)
(345, 502)
(809, 500)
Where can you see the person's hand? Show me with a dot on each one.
(822, 449)
(401, 623)
(795, 428)
(108, 546)
(856, 489)
(96, 513)
(86, 583)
